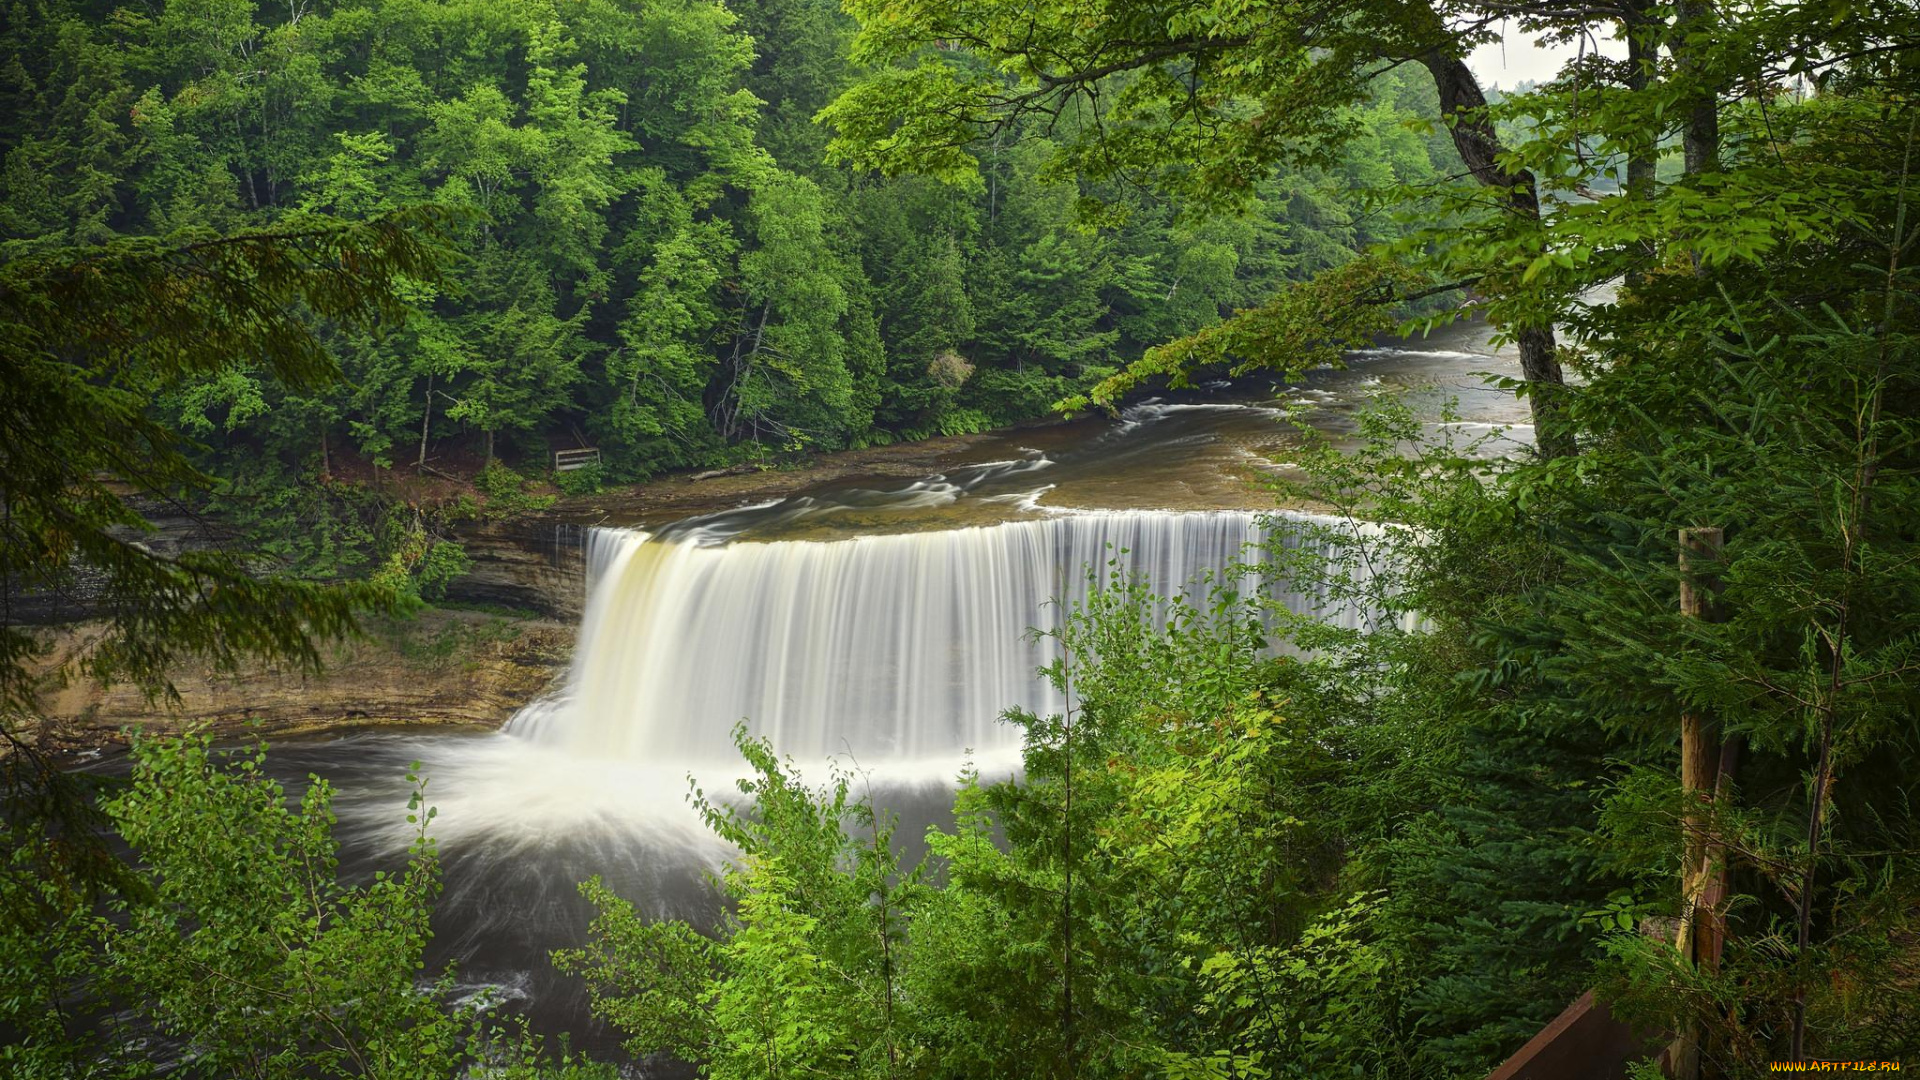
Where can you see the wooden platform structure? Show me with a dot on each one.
(1585, 1042)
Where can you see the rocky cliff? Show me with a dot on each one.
(442, 667)
(531, 562)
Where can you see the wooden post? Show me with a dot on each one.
(1700, 749)
(1702, 882)
(1699, 737)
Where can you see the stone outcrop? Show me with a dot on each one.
(529, 562)
(443, 667)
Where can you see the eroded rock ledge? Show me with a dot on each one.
(443, 667)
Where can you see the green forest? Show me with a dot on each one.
(652, 253)
(1642, 722)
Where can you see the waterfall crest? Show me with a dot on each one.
(891, 648)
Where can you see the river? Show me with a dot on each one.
(876, 623)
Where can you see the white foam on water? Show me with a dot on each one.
(1146, 412)
(1422, 354)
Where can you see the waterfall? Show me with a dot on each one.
(888, 647)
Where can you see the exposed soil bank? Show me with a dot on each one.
(443, 667)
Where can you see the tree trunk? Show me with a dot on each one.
(1642, 162)
(1700, 130)
(993, 180)
(742, 362)
(1642, 54)
(426, 421)
(1699, 741)
(1067, 1032)
(1463, 108)
(1540, 367)
(1702, 882)
(1803, 904)
(1711, 935)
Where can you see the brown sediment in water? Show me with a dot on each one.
(1231, 471)
(683, 495)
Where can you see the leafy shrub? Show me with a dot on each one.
(584, 481)
(506, 491)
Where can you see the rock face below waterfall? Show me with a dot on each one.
(530, 562)
(443, 667)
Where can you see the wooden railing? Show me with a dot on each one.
(569, 460)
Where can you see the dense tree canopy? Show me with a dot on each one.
(657, 258)
(89, 338)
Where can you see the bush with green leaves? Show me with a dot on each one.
(806, 976)
(1161, 848)
(227, 944)
(586, 480)
(251, 953)
(507, 491)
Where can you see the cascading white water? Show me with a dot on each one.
(889, 648)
